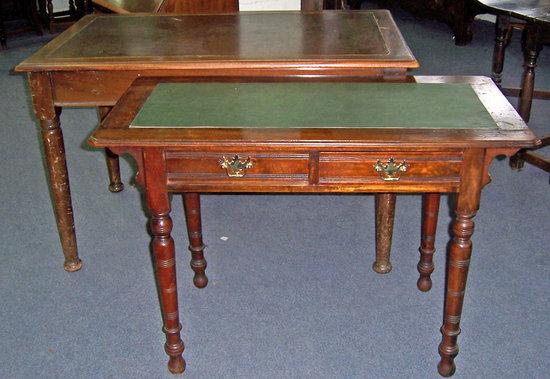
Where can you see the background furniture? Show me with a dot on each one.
(533, 17)
(458, 14)
(443, 138)
(17, 17)
(87, 67)
(205, 6)
(54, 20)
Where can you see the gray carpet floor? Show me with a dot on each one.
(292, 293)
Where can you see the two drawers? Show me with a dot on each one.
(253, 170)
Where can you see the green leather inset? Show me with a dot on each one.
(313, 105)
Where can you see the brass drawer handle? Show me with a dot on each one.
(390, 171)
(235, 168)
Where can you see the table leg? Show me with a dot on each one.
(85, 8)
(164, 254)
(503, 35)
(54, 150)
(462, 23)
(72, 9)
(49, 7)
(430, 213)
(192, 205)
(42, 11)
(113, 165)
(35, 17)
(385, 213)
(459, 258)
(532, 45)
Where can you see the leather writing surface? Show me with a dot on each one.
(283, 35)
(313, 105)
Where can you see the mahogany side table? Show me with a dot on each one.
(437, 135)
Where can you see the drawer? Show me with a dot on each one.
(229, 167)
(388, 166)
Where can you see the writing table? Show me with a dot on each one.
(92, 63)
(436, 135)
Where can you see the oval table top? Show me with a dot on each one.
(530, 10)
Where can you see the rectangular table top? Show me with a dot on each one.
(499, 125)
(353, 40)
(313, 105)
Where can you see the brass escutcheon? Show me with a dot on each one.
(391, 170)
(235, 168)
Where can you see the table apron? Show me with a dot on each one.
(104, 88)
(313, 171)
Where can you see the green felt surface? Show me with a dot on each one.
(313, 105)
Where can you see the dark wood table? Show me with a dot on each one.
(533, 17)
(95, 61)
(436, 135)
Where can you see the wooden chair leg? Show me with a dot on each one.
(112, 160)
(72, 8)
(163, 248)
(532, 45)
(385, 213)
(43, 13)
(430, 213)
(34, 17)
(49, 21)
(192, 205)
(502, 39)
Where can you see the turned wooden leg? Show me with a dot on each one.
(532, 45)
(164, 255)
(503, 34)
(72, 9)
(459, 259)
(54, 150)
(385, 212)
(113, 169)
(86, 8)
(49, 7)
(113, 165)
(430, 212)
(191, 202)
(34, 16)
(43, 12)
